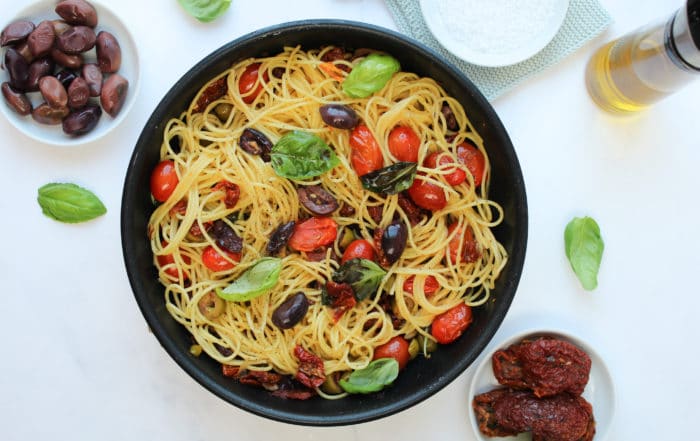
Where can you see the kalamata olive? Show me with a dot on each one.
(76, 40)
(339, 116)
(41, 39)
(53, 92)
(46, 114)
(16, 100)
(278, 72)
(71, 61)
(60, 26)
(82, 120)
(113, 94)
(77, 12)
(223, 111)
(18, 68)
(255, 143)
(23, 49)
(317, 200)
(37, 69)
(450, 119)
(211, 306)
(78, 93)
(66, 77)
(291, 311)
(93, 75)
(279, 238)
(394, 240)
(226, 237)
(109, 54)
(15, 32)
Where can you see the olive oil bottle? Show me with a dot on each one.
(633, 72)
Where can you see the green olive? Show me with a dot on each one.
(426, 344)
(223, 111)
(414, 348)
(211, 306)
(347, 237)
(331, 385)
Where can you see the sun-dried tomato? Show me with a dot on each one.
(230, 371)
(213, 92)
(311, 372)
(260, 378)
(340, 297)
(232, 192)
(414, 213)
(179, 208)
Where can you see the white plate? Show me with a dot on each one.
(494, 32)
(599, 391)
(107, 21)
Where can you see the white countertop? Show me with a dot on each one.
(80, 364)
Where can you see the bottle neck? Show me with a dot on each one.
(681, 39)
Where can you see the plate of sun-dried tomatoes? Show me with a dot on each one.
(545, 385)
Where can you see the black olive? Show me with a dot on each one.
(339, 116)
(82, 120)
(256, 143)
(18, 68)
(450, 119)
(394, 241)
(225, 237)
(279, 238)
(317, 200)
(291, 311)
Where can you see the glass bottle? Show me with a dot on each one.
(648, 64)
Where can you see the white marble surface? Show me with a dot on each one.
(79, 363)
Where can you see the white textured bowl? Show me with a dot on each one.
(499, 33)
(599, 391)
(53, 134)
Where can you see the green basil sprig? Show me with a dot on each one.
(205, 10)
(255, 281)
(392, 179)
(301, 155)
(370, 75)
(69, 203)
(363, 275)
(375, 377)
(584, 249)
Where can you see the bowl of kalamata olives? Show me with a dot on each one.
(70, 71)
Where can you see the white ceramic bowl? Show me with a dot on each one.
(599, 391)
(50, 134)
(494, 32)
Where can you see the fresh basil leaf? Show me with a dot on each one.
(584, 249)
(363, 275)
(69, 203)
(301, 155)
(370, 75)
(392, 179)
(375, 377)
(255, 281)
(205, 10)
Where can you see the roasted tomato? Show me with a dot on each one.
(449, 325)
(430, 285)
(469, 252)
(313, 233)
(427, 195)
(213, 260)
(366, 154)
(172, 271)
(358, 248)
(436, 160)
(164, 180)
(249, 80)
(404, 144)
(472, 157)
(396, 348)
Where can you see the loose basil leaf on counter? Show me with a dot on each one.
(255, 281)
(370, 75)
(301, 155)
(205, 10)
(69, 203)
(392, 179)
(375, 377)
(362, 274)
(584, 249)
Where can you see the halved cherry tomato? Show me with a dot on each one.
(358, 248)
(164, 180)
(404, 143)
(435, 160)
(216, 262)
(469, 252)
(366, 154)
(427, 195)
(249, 79)
(430, 285)
(449, 325)
(472, 157)
(396, 348)
(313, 233)
(172, 271)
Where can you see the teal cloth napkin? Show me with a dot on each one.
(584, 20)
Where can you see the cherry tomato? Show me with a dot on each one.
(216, 262)
(472, 157)
(172, 270)
(163, 180)
(427, 195)
(313, 233)
(396, 348)
(358, 248)
(469, 251)
(249, 78)
(366, 154)
(430, 285)
(404, 143)
(449, 325)
(435, 160)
